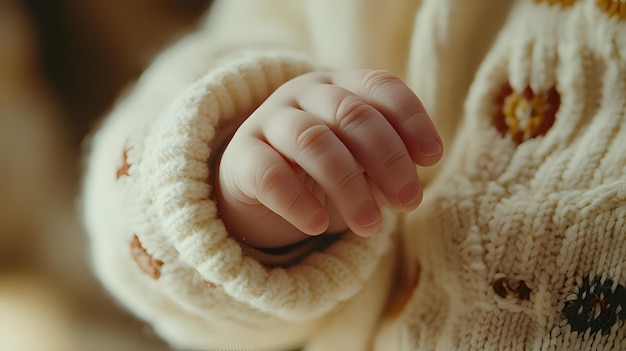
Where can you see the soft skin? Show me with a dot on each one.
(322, 154)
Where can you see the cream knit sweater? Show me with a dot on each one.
(519, 242)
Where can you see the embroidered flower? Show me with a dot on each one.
(563, 3)
(511, 287)
(123, 170)
(210, 285)
(613, 8)
(525, 115)
(597, 305)
(145, 261)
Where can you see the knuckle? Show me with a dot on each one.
(348, 179)
(294, 203)
(270, 177)
(322, 77)
(310, 77)
(393, 158)
(375, 79)
(311, 139)
(351, 110)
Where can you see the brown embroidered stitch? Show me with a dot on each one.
(123, 170)
(508, 287)
(563, 3)
(613, 8)
(145, 261)
(525, 115)
(210, 284)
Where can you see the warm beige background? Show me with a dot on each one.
(61, 65)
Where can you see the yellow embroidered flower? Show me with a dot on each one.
(525, 115)
(613, 8)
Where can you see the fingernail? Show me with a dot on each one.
(430, 146)
(319, 222)
(410, 194)
(368, 214)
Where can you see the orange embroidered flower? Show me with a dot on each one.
(563, 3)
(145, 261)
(525, 115)
(123, 170)
(613, 8)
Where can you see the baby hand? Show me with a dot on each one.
(322, 154)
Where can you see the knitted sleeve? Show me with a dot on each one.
(157, 242)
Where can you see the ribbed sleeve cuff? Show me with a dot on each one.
(147, 196)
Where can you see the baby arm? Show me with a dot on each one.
(158, 241)
(321, 155)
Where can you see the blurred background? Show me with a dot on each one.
(62, 65)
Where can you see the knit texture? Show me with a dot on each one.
(519, 242)
(522, 236)
(159, 245)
